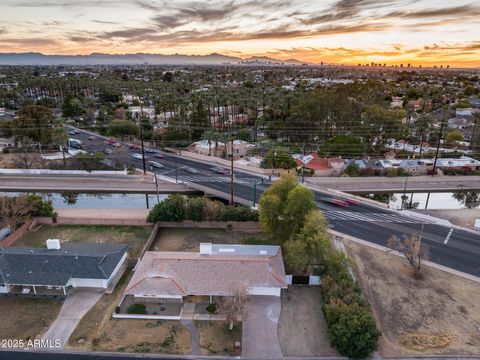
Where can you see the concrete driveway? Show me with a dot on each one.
(77, 304)
(260, 339)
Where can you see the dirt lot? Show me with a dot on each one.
(98, 331)
(216, 339)
(437, 315)
(301, 329)
(181, 239)
(23, 318)
(136, 236)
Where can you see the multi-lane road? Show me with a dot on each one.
(457, 249)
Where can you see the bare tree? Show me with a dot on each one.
(14, 211)
(233, 306)
(412, 249)
(26, 158)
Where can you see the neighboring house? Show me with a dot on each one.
(417, 166)
(174, 278)
(463, 164)
(465, 112)
(320, 166)
(32, 271)
(219, 149)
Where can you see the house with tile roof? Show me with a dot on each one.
(55, 269)
(172, 278)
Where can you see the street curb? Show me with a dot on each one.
(390, 251)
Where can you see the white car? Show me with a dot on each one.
(137, 156)
(155, 164)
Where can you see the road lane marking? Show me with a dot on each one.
(448, 236)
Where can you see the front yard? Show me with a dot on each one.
(302, 330)
(27, 318)
(215, 338)
(437, 315)
(135, 236)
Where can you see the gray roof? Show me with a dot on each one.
(44, 267)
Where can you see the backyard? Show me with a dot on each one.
(216, 339)
(135, 236)
(188, 239)
(302, 330)
(27, 318)
(436, 315)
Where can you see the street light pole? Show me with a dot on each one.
(231, 174)
(141, 139)
(439, 139)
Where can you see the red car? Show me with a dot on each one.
(339, 202)
(134, 147)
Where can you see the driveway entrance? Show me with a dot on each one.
(260, 339)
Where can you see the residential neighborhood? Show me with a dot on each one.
(239, 180)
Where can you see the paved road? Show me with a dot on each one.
(367, 222)
(77, 304)
(397, 184)
(88, 183)
(260, 328)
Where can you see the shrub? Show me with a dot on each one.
(238, 213)
(195, 208)
(212, 308)
(171, 209)
(137, 309)
(43, 208)
(352, 329)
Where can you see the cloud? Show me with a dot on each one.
(53, 23)
(3, 30)
(106, 22)
(33, 42)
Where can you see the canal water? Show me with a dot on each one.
(99, 201)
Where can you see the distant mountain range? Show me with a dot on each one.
(33, 58)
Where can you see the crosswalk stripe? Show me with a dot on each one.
(372, 217)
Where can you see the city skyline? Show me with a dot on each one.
(345, 32)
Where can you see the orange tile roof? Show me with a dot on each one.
(188, 273)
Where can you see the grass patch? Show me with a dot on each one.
(24, 318)
(135, 236)
(216, 339)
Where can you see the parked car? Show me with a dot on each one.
(134, 147)
(72, 132)
(158, 155)
(219, 170)
(150, 151)
(107, 151)
(91, 137)
(155, 164)
(137, 156)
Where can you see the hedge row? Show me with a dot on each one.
(351, 326)
(177, 208)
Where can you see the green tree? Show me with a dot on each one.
(72, 106)
(122, 128)
(310, 246)
(34, 122)
(454, 136)
(278, 159)
(343, 145)
(283, 207)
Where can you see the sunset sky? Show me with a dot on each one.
(428, 32)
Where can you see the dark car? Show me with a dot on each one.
(219, 170)
(150, 151)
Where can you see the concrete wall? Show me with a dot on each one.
(92, 221)
(10, 239)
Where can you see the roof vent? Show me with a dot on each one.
(205, 249)
(53, 244)
(263, 252)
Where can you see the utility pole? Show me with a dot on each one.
(141, 139)
(439, 140)
(156, 187)
(231, 173)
